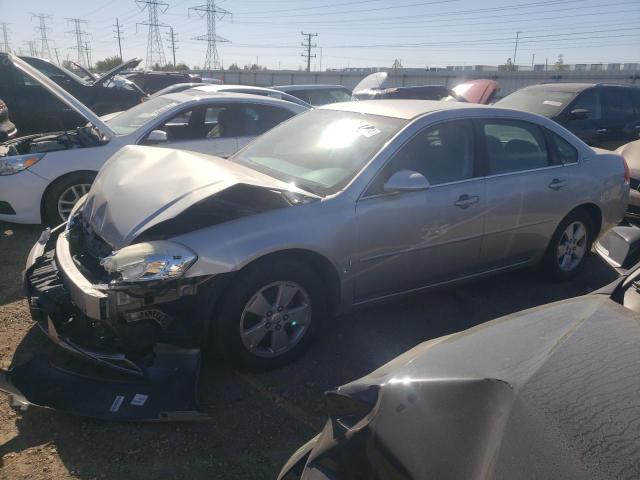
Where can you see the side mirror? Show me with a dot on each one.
(579, 114)
(620, 247)
(406, 181)
(156, 136)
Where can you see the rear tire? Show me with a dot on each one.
(62, 195)
(569, 246)
(270, 314)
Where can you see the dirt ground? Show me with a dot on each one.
(256, 421)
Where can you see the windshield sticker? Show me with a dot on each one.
(553, 103)
(367, 130)
(139, 399)
(117, 403)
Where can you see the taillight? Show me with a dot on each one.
(627, 174)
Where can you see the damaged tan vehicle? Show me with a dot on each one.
(339, 207)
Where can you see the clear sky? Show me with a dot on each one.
(352, 33)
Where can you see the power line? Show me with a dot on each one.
(308, 46)
(118, 33)
(213, 13)
(82, 56)
(5, 38)
(45, 51)
(155, 50)
(433, 17)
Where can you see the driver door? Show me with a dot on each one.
(408, 240)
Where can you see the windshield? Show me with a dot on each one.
(134, 118)
(542, 102)
(320, 151)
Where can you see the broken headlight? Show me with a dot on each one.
(144, 262)
(15, 164)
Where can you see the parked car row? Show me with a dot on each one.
(164, 249)
(43, 176)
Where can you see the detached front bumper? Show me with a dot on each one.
(159, 383)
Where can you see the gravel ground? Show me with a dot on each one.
(256, 421)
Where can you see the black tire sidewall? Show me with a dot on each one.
(550, 262)
(248, 283)
(51, 217)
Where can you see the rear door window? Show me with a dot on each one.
(514, 146)
(564, 151)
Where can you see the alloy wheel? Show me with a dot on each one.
(572, 246)
(70, 197)
(275, 319)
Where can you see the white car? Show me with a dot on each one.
(267, 92)
(42, 176)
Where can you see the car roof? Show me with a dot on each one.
(211, 87)
(293, 88)
(406, 109)
(195, 95)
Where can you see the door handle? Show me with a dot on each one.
(465, 201)
(601, 131)
(557, 183)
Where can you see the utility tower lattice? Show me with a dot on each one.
(308, 46)
(155, 50)
(80, 42)
(42, 28)
(33, 49)
(213, 13)
(5, 38)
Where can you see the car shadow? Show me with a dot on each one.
(15, 243)
(257, 420)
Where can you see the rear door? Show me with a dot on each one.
(621, 123)
(528, 191)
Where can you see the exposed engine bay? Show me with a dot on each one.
(81, 137)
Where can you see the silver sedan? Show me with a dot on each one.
(339, 207)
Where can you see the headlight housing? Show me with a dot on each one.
(144, 262)
(17, 163)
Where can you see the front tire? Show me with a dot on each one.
(63, 194)
(270, 314)
(569, 246)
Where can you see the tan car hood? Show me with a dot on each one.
(140, 187)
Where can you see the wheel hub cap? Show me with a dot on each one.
(572, 246)
(275, 319)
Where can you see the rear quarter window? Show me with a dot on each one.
(563, 150)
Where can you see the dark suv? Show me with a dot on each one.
(35, 110)
(603, 115)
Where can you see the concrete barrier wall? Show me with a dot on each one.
(509, 81)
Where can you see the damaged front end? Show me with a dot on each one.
(145, 363)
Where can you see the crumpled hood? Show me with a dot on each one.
(139, 187)
(551, 392)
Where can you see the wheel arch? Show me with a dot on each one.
(594, 213)
(53, 183)
(321, 264)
